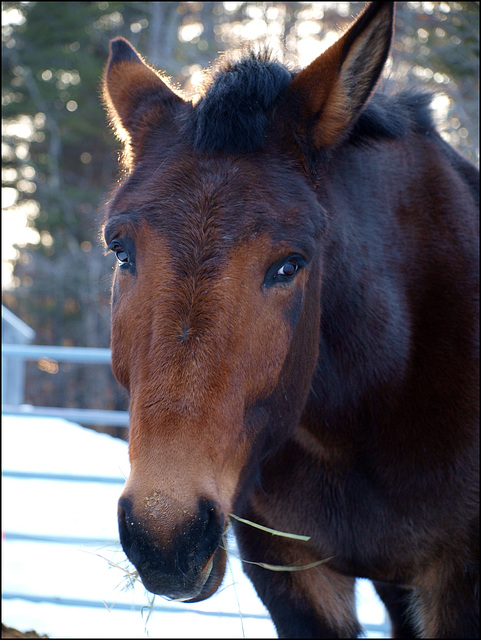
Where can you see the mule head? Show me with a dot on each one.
(219, 237)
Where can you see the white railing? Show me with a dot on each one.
(86, 355)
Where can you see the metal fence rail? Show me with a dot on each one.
(82, 416)
(85, 355)
(88, 355)
(122, 606)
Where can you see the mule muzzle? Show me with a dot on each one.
(181, 560)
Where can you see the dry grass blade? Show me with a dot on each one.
(149, 608)
(224, 542)
(175, 599)
(130, 576)
(280, 567)
(293, 536)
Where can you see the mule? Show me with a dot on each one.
(294, 315)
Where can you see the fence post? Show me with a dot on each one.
(14, 331)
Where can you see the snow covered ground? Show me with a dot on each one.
(60, 533)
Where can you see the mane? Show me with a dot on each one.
(233, 113)
(393, 116)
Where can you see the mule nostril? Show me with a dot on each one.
(121, 513)
(124, 508)
(124, 515)
(210, 530)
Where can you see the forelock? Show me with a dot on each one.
(233, 114)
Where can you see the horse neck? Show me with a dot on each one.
(365, 318)
(402, 242)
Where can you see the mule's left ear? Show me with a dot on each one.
(334, 88)
(135, 94)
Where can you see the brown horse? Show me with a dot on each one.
(294, 314)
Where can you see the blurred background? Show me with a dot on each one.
(60, 158)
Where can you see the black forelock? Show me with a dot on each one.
(232, 116)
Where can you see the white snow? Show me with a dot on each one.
(37, 573)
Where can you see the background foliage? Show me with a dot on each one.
(59, 158)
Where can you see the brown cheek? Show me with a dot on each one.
(267, 348)
(126, 323)
(119, 342)
(263, 333)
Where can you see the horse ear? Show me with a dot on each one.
(134, 93)
(336, 86)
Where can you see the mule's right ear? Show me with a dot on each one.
(135, 95)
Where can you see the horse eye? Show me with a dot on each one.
(289, 268)
(121, 256)
(284, 270)
(120, 253)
